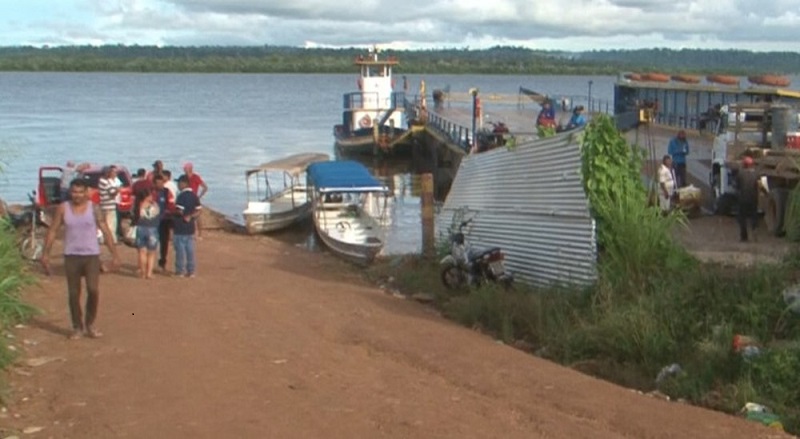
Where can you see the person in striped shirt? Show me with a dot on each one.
(108, 186)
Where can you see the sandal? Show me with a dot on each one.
(93, 333)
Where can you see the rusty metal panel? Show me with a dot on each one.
(530, 202)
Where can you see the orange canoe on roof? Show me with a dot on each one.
(723, 79)
(689, 79)
(770, 80)
(655, 77)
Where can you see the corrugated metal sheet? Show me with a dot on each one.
(530, 202)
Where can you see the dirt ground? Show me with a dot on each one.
(716, 239)
(271, 340)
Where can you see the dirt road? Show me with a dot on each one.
(271, 341)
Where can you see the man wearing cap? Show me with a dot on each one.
(747, 184)
(197, 185)
(678, 149)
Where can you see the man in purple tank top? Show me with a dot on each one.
(81, 219)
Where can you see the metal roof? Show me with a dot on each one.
(343, 176)
(711, 88)
(530, 202)
(293, 164)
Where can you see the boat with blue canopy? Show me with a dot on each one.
(340, 191)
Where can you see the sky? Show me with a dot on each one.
(571, 25)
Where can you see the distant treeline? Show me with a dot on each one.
(497, 60)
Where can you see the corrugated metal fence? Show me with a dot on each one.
(530, 202)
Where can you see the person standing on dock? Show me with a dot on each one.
(678, 149)
(747, 183)
(666, 184)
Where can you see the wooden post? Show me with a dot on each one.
(428, 239)
(375, 136)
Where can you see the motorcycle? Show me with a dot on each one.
(31, 224)
(472, 267)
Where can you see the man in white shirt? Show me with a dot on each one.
(170, 184)
(666, 184)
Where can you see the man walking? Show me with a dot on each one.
(188, 208)
(678, 149)
(81, 220)
(747, 184)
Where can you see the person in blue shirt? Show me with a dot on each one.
(187, 209)
(578, 119)
(678, 149)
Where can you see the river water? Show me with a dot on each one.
(223, 123)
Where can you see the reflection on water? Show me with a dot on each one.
(401, 209)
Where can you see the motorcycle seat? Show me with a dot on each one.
(479, 253)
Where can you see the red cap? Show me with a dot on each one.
(747, 161)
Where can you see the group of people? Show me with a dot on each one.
(547, 118)
(162, 207)
(672, 176)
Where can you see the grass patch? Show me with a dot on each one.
(13, 277)
(652, 305)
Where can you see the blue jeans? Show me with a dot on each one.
(184, 254)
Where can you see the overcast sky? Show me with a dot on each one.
(575, 25)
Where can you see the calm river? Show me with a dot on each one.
(224, 123)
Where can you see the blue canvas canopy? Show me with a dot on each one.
(343, 176)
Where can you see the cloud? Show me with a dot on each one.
(561, 25)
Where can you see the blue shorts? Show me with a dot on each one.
(147, 237)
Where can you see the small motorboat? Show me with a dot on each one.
(276, 193)
(633, 76)
(723, 79)
(340, 191)
(770, 80)
(688, 79)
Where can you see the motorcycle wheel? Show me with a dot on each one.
(32, 248)
(452, 277)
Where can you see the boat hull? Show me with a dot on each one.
(362, 142)
(358, 253)
(257, 223)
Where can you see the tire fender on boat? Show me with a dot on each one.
(365, 122)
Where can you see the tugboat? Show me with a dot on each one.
(374, 117)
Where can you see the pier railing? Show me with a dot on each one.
(462, 136)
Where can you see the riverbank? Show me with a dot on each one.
(272, 340)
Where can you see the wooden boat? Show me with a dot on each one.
(770, 80)
(276, 193)
(655, 77)
(723, 79)
(339, 191)
(374, 117)
(633, 76)
(688, 79)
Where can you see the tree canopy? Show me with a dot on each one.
(496, 60)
